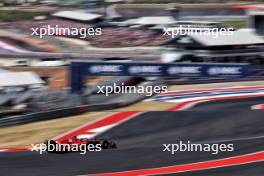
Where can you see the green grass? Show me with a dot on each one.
(15, 15)
(235, 24)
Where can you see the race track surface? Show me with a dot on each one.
(140, 142)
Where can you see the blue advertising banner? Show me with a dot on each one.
(165, 70)
(81, 69)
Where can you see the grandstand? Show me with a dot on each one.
(137, 26)
(24, 80)
(191, 11)
(101, 86)
(79, 16)
(142, 29)
(242, 47)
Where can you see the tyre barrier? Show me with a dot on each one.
(39, 116)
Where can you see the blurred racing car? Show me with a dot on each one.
(75, 141)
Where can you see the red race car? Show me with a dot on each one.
(78, 144)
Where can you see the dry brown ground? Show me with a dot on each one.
(40, 131)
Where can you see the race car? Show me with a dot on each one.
(79, 142)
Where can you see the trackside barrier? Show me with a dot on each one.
(81, 69)
(66, 112)
(60, 113)
(34, 117)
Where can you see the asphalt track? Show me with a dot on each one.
(140, 142)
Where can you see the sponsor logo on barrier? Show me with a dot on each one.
(224, 71)
(184, 70)
(144, 69)
(172, 69)
(81, 69)
(105, 68)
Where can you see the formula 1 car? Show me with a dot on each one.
(98, 144)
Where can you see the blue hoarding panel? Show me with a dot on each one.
(166, 70)
(181, 70)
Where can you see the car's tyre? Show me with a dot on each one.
(113, 145)
(104, 144)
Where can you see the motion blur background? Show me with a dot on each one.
(35, 71)
(38, 99)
